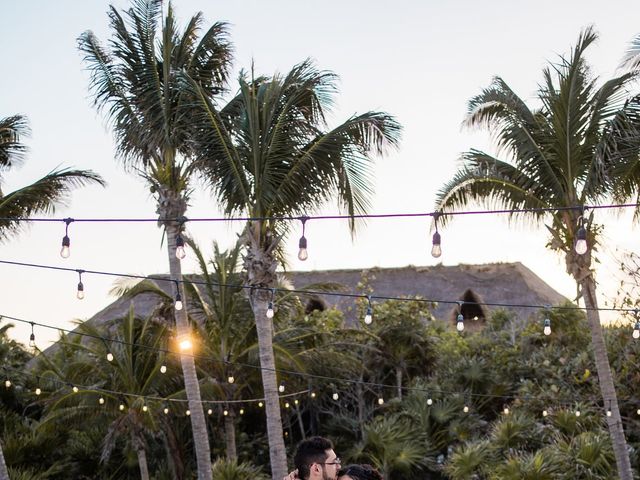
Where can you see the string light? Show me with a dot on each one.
(37, 391)
(32, 337)
(545, 413)
(166, 410)
(313, 395)
(270, 312)
(145, 408)
(547, 326)
(7, 383)
(436, 249)
(460, 318)
(577, 413)
(75, 389)
(225, 412)
(109, 357)
(581, 237)
(178, 302)
(636, 328)
(335, 396)
(101, 401)
(209, 412)
(260, 404)
(184, 342)
(65, 251)
(80, 292)
(230, 379)
(380, 401)
(505, 410)
(609, 413)
(286, 405)
(296, 402)
(121, 407)
(281, 388)
(465, 409)
(302, 243)
(180, 251)
(368, 318)
(242, 411)
(187, 413)
(429, 401)
(163, 369)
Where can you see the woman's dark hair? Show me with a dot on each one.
(360, 472)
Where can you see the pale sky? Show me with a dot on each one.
(418, 60)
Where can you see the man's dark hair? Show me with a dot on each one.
(361, 472)
(309, 451)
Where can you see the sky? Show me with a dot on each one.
(421, 61)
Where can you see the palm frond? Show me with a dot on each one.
(12, 130)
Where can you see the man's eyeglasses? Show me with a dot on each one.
(337, 461)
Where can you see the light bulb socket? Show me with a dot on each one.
(66, 241)
(436, 240)
(302, 243)
(581, 234)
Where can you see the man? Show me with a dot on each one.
(315, 460)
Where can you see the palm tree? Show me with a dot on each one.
(558, 155)
(137, 354)
(42, 196)
(267, 154)
(136, 83)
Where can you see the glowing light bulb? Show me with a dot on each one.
(335, 396)
(80, 292)
(465, 409)
(180, 251)
(166, 411)
(38, 391)
(75, 389)
(163, 369)
(302, 245)
(286, 405)
(65, 251)
(109, 357)
(225, 413)
(184, 342)
(187, 413)
(260, 404)
(547, 326)
(101, 401)
(460, 323)
(368, 318)
(544, 413)
(209, 412)
(145, 408)
(381, 401)
(242, 411)
(270, 312)
(636, 330)
(506, 410)
(313, 394)
(436, 248)
(281, 388)
(178, 305)
(581, 241)
(577, 413)
(32, 340)
(296, 401)
(7, 383)
(609, 413)
(230, 379)
(429, 401)
(121, 407)
(638, 411)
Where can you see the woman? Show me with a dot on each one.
(359, 472)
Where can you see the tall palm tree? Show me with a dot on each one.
(559, 156)
(269, 153)
(137, 83)
(42, 196)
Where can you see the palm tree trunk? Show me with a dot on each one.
(191, 385)
(399, 382)
(174, 456)
(605, 377)
(138, 445)
(230, 435)
(4, 473)
(300, 423)
(264, 327)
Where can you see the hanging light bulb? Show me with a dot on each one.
(429, 401)
(225, 412)
(577, 413)
(296, 402)
(335, 396)
(101, 401)
(270, 311)
(178, 303)
(286, 405)
(121, 407)
(506, 410)
(163, 369)
(166, 411)
(281, 388)
(38, 391)
(302, 244)
(636, 330)
(7, 383)
(313, 394)
(242, 411)
(32, 337)
(638, 411)
(581, 238)
(544, 413)
(460, 323)
(547, 326)
(145, 408)
(180, 251)
(187, 413)
(260, 404)
(209, 412)
(66, 241)
(380, 401)
(184, 342)
(368, 318)
(436, 249)
(465, 409)
(109, 357)
(75, 389)
(80, 291)
(609, 413)
(230, 379)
